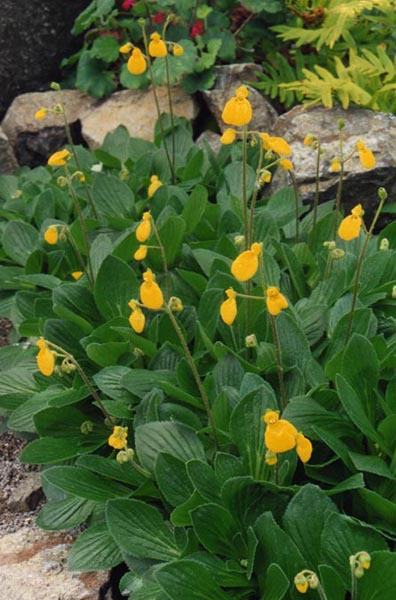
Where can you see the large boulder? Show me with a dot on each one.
(135, 109)
(376, 129)
(33, 140)
(8, 161)
(228, 79)
(34, 37)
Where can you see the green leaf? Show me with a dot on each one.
(105, 48)
(112, 196)
(306, 532)
(49, 450)
(185, 578)
(140, 530)
(293, 343)
(380, 509)
(333, 585)
(178, 65)
(107, 467)
(92, 77)
(173, 438)
(379, 582)
(75, 303)
(204, 480)
(172, 479)
(19, 240)
(371, 464)
(276, 583)
(195, 207)
(116, 284)
(215, 528)
(109, 379)
(83, 484)
(362, 374)
(94, 550)
(64, 514)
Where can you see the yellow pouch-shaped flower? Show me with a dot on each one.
(228, 136)
(366, 157)
(228, 309)
(286, 164)
(51, 235)
(45, 358)
(150, 293)
(140, 253)
(137, 320)
(245, 265)
(280, 436)
(275, 301)
(41, 114)
(143, 230)
(276, 144)
(119, 438)
(238, 110)
(155, 184)
(136, 63)
(157, 46)
(126, 48)
(59, 159)
(303, 448)
(178, 50)
(349, 228)
(77, 274)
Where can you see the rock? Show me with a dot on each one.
(135, 109)
(27, 494)
(211, 138)
(8, 161)
(34, 38)
(33, 140)
(228, 79)
(377, 130)
(33, 566)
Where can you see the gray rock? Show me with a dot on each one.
(27, 494)
(34, 140)
(228, 79)
(377, 130)
(211, 138)
(8, 161)
(33, 566)
(135, 109)
(34, 37)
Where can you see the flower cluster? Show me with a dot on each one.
(281, 436)
(157, 48)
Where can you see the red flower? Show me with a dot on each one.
(197, 29)
(159, 17)
(127, 4)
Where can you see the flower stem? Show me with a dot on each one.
(244, 187)
(171, 115)
(76, 250)
(278, 362)
(83, 227)
(164, 260)
(153, 85)
(195, 373)
(296, 204)
(316, 199)
(340, 183)
(255, 194)
(140, 469)
(360, 264)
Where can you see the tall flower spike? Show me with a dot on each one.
(349, 228)
(137, 320)
(228, 309)
(137, 63)
(45, 358)
(366, 157)
(59, 159)
(143, 230)
(51, 235)
(275, 301)
(245, 265)
(150, 293)
(155, 184)
(276, 144)
(119, 438)
(238, 110)
(157, 46)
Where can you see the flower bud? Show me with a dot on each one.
(239, 241)
(359, 572)
(341, 123)
(55, 86)
(61, 181)
(138, 352)
(329, 245)
(79, 175)
(130, 453)
(86, 427)
(141, 22)
(313, 581)
(122, 457)
(124, 174)
(382, 193)
(58, 109)
(337, 253)
(251, 341)
(17, 194)
(384, 245)
(175, 304)
(67, 366)
(364, 560)
(393, 293)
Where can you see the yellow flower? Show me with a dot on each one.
(308, 140)
(136, 62)
(238, 110)
(157, 46)
(59, 159)
(286, 164)
(367, 158)
(178, 50)
(228, 309)
(245, 265)
(302, 587)
(126, 48)
(228, 136)
(51, 235)
(41, 114)
(137, 319)
(276, 144)
(265, 177)
(335, 166)
(77, 274)
(150, 292)
(349, 228)
(175, 304)
(45, 358)
(303, 448)
(271, 458)
(275, 301)
(140, 253)
(155, 184)
(143, 230)
(280, 435)
(119, 438)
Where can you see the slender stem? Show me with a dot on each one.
(171, 115)
(83, 227)
(255, 193)
(328, 266)
(296, 204)
(276, 473)
(195, 373)
(278, 362)
(316, 199)
(340, 183)
(74, 152)
(157, 105)
(353, 583)
(77, 251)
(245, 22)
(84, 377)
(164, 260)
(140, 469)
(244, 187)
(359, 268)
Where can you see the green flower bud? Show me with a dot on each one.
(122, 457)
(382, 193)
(359, 572)
(86, 427)
(384, 245)
(251, 341)
(55, 86)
